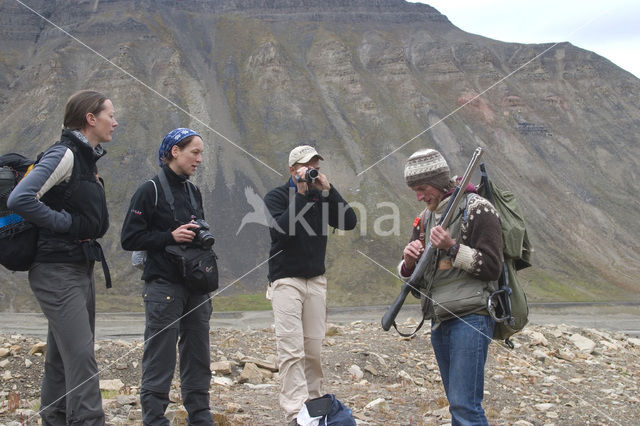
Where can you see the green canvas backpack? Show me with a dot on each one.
(508, 305)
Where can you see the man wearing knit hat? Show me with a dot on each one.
(303, 208)
(469, 261)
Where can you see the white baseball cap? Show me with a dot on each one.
(302, 154)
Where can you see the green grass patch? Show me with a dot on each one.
(241, 302)
(238, 302)
(542, 286)
(109, 394)
(549, 288)
(119, 303)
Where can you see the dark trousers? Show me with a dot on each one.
(70, 386)
(173, 316)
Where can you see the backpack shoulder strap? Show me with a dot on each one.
(164, 183)
(465, 214)
(423, 218)
(155, 187)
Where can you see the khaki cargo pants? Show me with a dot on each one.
(299, 310)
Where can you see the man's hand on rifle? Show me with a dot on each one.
(411, 253)
(441, 238)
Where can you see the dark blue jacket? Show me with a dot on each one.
(302, 225)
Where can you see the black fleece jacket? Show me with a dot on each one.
(65, 198)
(300, 228)
(148, 224)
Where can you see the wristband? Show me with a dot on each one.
(405, 271)
(453, 251)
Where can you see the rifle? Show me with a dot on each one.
(427, 257)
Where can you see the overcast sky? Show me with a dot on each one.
(611, 28)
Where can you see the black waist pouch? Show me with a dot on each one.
(198, 267)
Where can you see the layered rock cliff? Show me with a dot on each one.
(367, 82)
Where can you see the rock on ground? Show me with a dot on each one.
(557, 375)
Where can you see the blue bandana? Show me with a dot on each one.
(172, 138)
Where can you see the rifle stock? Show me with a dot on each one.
(390, 316)
(417, 275)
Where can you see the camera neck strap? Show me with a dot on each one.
(194, 204)
(168, 195)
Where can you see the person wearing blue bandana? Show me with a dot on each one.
(173, 138)
(174, 313)
(302, 209)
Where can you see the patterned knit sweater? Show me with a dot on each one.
(480, 238)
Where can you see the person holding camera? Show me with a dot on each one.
(302, 208)
(174, 312)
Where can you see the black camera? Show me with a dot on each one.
(310, 176)
(203, 237)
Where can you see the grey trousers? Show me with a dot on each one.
(173, 315)
(70, 386)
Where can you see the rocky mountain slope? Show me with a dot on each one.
(367, 82)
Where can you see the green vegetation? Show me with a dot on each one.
(225, 303)
(108, 394)
(241, 302)
(119, 303)
(542, 286)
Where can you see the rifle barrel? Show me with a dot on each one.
(418, 273)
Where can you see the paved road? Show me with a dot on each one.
(623, 317)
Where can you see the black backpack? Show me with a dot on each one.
(18, 238)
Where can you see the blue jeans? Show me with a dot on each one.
(461, 346)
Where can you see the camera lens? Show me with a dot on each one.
(311, 175)
(205, 239)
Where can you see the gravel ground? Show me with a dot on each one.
(547, 379)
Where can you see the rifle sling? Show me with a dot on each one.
(413, 333)
(422, 238)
